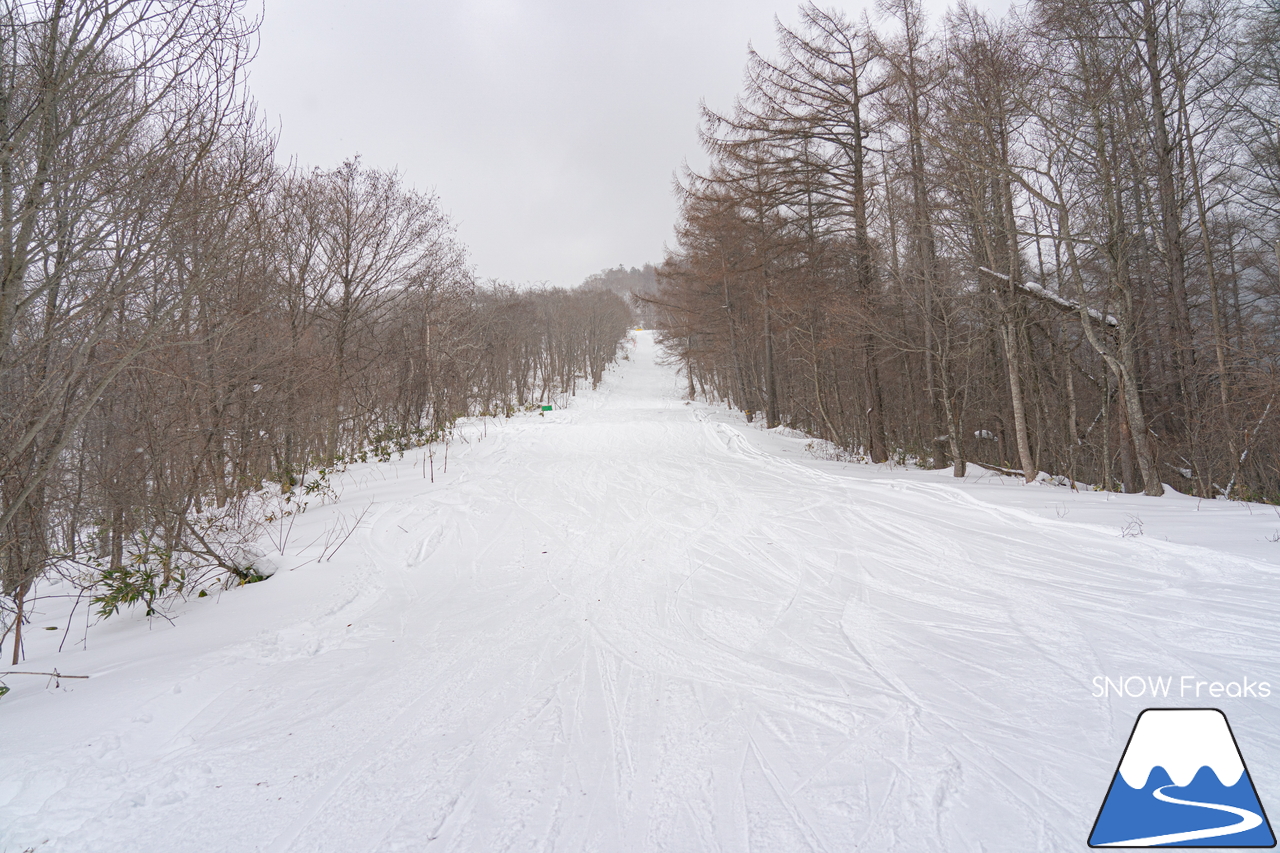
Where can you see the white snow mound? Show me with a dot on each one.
(1181, 741)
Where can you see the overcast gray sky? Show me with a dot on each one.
(550, 129)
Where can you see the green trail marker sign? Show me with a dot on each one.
(546, 408)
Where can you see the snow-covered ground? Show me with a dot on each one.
(642, 624)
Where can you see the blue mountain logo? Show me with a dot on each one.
(1181, 783)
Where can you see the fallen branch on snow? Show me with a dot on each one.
(54, 674)
(1008, 472)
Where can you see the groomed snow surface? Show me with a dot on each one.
(640, 624)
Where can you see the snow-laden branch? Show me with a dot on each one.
(1044, 294)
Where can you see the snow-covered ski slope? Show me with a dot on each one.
(640, 624)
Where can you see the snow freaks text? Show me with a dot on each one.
(1184, 687)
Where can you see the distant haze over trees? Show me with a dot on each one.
(634, 285)
(1046, 242)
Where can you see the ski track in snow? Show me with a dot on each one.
(641, 624)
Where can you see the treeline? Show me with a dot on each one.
(182, 320)
(1042, 243)
(636, 285)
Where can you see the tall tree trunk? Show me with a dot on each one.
(1013, 360)
(1171, 231)
(770, 377)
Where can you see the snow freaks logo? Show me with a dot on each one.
(1181, 783)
